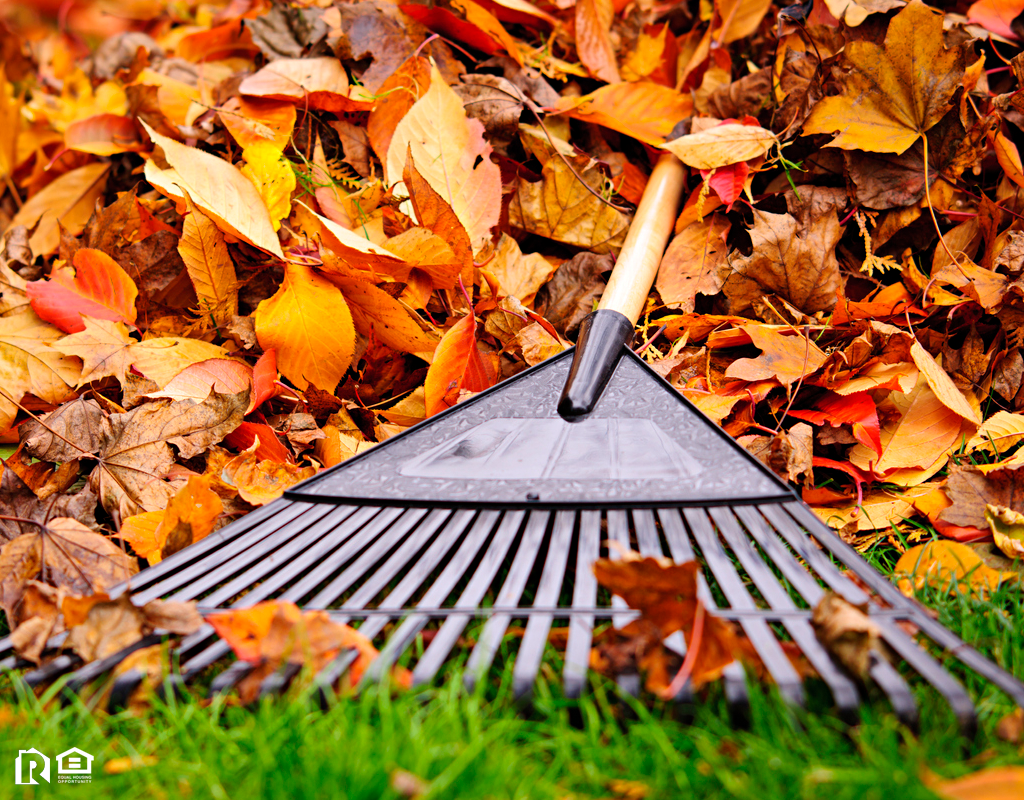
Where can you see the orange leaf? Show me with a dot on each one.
(593, 39)
(103, 135)
(196, 381)
(251, 120)
(994, 783)
(264, 378)
(270, 449)
(98, 288)
(259, 482)
(458, 365)
(646, 111)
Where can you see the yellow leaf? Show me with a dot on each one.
(205, 253)
(376, 310)
(1007, 529)
(896, 92)
(28, 364)
(942, 384)
(946, 566)
(722, 145)
(998, 433)
(69, 200)
(118, 766)
(446, 146)
(217, 187)
(925, 431)
(273, 178)
(310, 324)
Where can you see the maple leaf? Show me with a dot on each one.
(560, 208)
(106, 349)
(62, 553)
(799, 265)
(133, 449)
(895, 93)
(29, 365)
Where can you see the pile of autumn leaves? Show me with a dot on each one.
(313, 263)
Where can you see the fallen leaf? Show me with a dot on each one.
(273, 177)
(309, 323)
(215, 186)
(722, 145)
(948, 567)
(1007, 529)
(97, 287)
(994, 783)
(896, 92)
(259, 482)
(696, 262)
(66, 203)
(458, 366)
(450, 152)
(786, 358)
(593, 41)
(798, 265)
(558, 207)
(62, 553)
(847, 633)
(644, 110)
(205, 253)
(319, 83)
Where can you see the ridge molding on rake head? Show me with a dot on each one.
(496, 510)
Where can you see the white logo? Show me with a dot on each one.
(73, 766)
(25, 765)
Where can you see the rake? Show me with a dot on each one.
(493, 512)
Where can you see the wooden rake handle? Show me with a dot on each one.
(603, 333)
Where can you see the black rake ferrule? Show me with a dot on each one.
(602, 337)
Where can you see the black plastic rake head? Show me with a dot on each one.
(492, 514)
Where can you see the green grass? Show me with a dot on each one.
(481, 745)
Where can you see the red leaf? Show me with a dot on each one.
(264, 378)
(458, 364)
(244, 436)
(728, 182)
(857, 410)
(97, 287)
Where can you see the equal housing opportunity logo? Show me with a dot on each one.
(32, 767)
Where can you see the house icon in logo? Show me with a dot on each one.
(74, 762)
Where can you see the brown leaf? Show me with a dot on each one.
(846, 631)
(62, 553)
(799, 266)
(971, 491)
(18, 501)
(695, 263)
(558, 207)
(573, 291)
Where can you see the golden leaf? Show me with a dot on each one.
(273, 178)
(205, 253)
(310, 324)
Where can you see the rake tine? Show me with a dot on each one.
(123, 689)
(511, 591)
(48, 673)
(229, 678)
(447, 636)
(224, 563)
(178, 568)
(736, 695)
(843, 690)
(932, 671)
(276, 682)
(79, 679)
(265, 576)
(649, 544)
(377, 581)
(757, 630)
(888, 592)
(256, 562)
(896, 689)
(584, 595)
(531, 650)
(434, 596)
